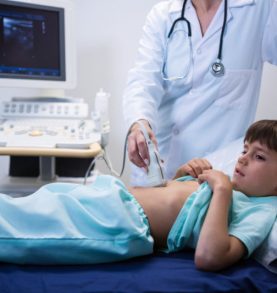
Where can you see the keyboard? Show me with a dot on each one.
(48, 133)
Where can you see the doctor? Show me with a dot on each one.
(198, 73)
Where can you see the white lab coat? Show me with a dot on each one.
(196, 116)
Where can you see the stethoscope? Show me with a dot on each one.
(217, 68)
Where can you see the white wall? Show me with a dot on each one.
(107, 37)
(267, 107)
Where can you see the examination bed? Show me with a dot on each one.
(154, 273)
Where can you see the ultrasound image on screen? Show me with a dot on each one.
(32, 42)
(18, 41)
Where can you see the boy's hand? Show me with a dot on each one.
(216, 180)
(194, 168)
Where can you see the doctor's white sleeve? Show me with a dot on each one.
(270, 37)
(144, 89)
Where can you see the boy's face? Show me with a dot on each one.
(256, 170)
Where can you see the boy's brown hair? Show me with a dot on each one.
(263, 131)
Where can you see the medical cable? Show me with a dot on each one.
(104, 155)
(90, 167)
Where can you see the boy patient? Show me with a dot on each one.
(223, 219)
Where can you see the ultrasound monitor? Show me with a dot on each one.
(37, 45)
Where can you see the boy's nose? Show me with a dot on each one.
(243, 159)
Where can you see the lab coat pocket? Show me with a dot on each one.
(235, 88)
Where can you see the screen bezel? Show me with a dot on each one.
(67, 78)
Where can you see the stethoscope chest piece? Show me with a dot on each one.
(217, 68)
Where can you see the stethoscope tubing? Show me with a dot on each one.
(217, 67)
(219, 56)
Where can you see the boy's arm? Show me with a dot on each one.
(215, 248)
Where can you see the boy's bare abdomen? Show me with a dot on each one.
(162, 206)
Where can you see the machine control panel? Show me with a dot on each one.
(47, 123)
(48, 133)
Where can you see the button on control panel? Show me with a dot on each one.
(44, 110)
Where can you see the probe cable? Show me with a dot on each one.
(104, 156)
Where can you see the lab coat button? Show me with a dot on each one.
(199, 51)
(175, 131)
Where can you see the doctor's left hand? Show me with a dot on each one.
(137, 146)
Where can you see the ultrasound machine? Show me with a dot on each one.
(45, 134)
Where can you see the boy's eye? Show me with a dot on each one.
(259, 157)
(243, 152)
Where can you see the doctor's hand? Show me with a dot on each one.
(194, 168)
(137, 146)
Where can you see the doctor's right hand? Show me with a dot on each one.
(137, 146)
